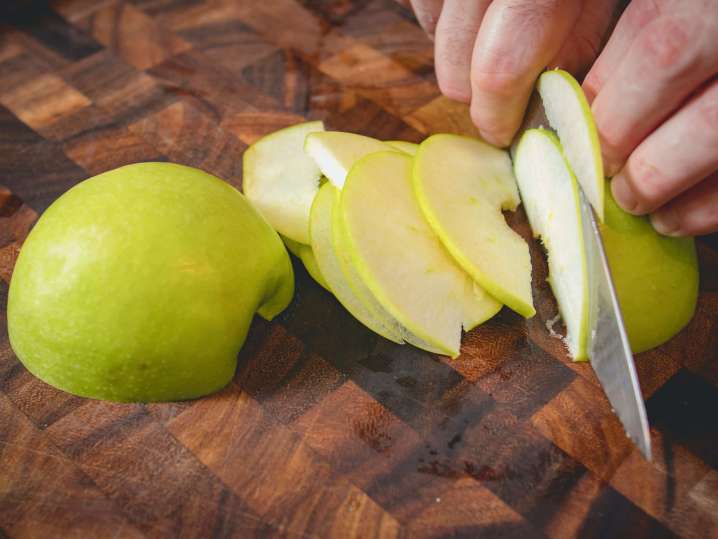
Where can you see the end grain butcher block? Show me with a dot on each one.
(327, 430)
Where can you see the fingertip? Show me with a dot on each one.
(612, 164)
(623, 193)
(590, 87)
(495, 139)
(454, 91)
(666, 222)
(492, 129)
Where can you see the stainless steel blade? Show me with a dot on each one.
(609, 350)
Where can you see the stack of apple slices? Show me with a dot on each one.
(410, 238)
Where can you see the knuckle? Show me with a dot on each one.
(592, 83)
(668, 45)
(707, 113)
(501, 84)
(534, 8)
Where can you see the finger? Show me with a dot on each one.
(675, 157)
(516, 40)
(427, 13)
(669, 59)
(693, 213)
(636, 16)
(454, 43)
(587, 38)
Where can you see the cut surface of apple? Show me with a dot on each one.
(462, 184)
(335, 152)
(569, 113)
(549, 191)
(399, 257)
(404, 146)
(281, 181)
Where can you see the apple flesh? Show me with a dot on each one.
(409, 148)
(321, 224)
(399, 257)
(281, 181)
(462, 184)
(140, 285)
(549, 191)
(569, 114)
(656, 277)
(335, 152)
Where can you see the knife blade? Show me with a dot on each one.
(609, 350)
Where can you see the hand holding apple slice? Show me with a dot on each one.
(281, 181)
(462, 185)
(570, 116)
(550, 194)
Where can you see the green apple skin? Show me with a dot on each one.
(656, 277)
(140, 284)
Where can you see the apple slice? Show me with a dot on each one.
(403, 146)
(550, 194)
(335, 152)
(399, 257)
(320, 227)
(280, 180)
(462, 184)
(569, 113)
(478, 305)
(474, 314)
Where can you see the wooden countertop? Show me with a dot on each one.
(327, 430)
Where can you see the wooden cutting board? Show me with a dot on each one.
(327, 430)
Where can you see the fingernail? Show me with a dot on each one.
(666, 222)
(622, 193)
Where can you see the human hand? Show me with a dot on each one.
(490, 52)
(654, 95)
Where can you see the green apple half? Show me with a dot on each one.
(400, 258)
(569, 114)
(656, 277)
(549, 191)
(462, 184)
(140, 285)
(335, 152)
(281, 181)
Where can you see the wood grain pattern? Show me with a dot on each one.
(327, 430)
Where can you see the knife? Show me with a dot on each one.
(608, 347)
